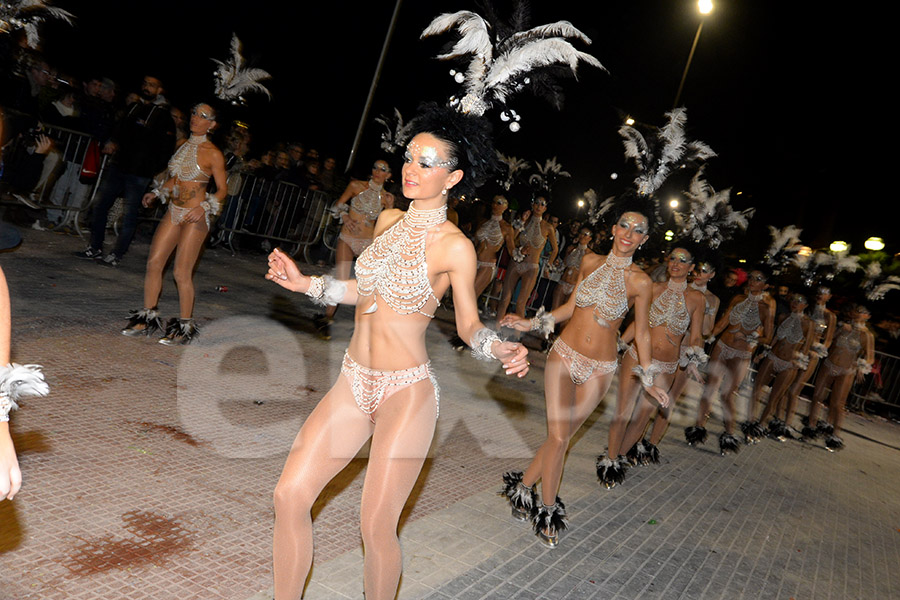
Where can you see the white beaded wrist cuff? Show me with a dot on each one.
(326, 291)
(647, 376)
(543, 322)
(863, 367)
(481, 343)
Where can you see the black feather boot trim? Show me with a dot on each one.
(522, 499)
(833, 443)
(825, 428)
(611, 472)
(142, 322)
(643, 453)
(548, 521)
(695, 435)
(753, 432)
(728, 443)
(809, 433)
(652, 453)
(179, 332)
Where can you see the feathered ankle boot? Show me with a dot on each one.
(522, 499)
(179, 332)
(142, 322)
(548, 521)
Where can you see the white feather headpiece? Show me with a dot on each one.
(547, 174)
(710, 218)
(657, 157)
(876, 285)
(28, 15)
(515, 170)
(785, 247)
(596, 211)
(234, 78)
(395, 132)
(498, 69)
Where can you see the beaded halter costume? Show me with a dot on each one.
(490, 232)
(670, 309)
(746, 314)
(394, 265)
(708, 309)
(532, 234)
(791, 329)
(573, 260)
(368, 202)
(183, 164)
(604, 289)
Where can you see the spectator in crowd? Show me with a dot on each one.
(328, 175)
(140, 146)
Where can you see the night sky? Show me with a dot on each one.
(766, 87)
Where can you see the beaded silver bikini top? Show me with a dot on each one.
(820, 319)
(848, 340)
(368, 202)
(573, 260)
(746, 314)
(708, 309)
(183, 164)
(394, 264)
(670, 309)
(791, 329)
(532, 234)
(604, 289)
(490, 232)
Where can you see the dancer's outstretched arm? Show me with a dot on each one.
(285, 272)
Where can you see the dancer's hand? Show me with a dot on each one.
(195, 215)
(148, 199)
(284, 271)
(10, 474)
(694, 373)
(658, 394)
(514, 321)
(514, 357)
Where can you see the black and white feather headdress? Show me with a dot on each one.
(233, 78)
(877, 284)
(28, 15)
(503, 64)
(784, 249)
(816, 267)
(515, 170)
(395, 132)
(548, 173)
(710, 218)
(658, 155)
(596, 209)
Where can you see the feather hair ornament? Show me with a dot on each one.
(784, 248)
(656, 157)
(515, 170)
(233, 78)
(504, 64)
(876, 284)
(547, 175)
(395, 132)
(710, 218)
(28, 15)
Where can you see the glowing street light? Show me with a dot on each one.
(629, 121)
(874, 244)
(673, 202)
(705, 7)
(838, 246)
(580, 203)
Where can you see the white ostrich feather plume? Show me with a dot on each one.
(710, 217)
(395, 132)
(28, 15)
(234, 78)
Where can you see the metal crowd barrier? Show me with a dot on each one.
(881, 387)
(274, 211)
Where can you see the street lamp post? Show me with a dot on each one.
(705, 7)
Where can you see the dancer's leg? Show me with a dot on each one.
(331, 436)
(797, 387)
(778, 395)
(736, 370)
(529, 280)
(189, 246)
(629, 388)
(483, 278)
(840, 390)
(509, 286)
(164, 241)
(343, 264)
(644, 410)
(715, 374)
(763, 377)
(404, 426)
(824, 379)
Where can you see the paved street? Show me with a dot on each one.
(149, 470)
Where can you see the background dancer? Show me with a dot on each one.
(850, 358)
(358, 207)
(676, 324)
(748, 320)
(583, 361)
(386, 391)
(183, 228)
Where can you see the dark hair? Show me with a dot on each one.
(632, 202)
(469, 140)
(762, 269)
(705, 254)
(691, 249)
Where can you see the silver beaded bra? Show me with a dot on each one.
(746, 314)
(532, 234)
(670, 309)
(573, 260)
(604, 289)
(708, 308)
(791, 329)
(183, 164)
(394, 264)
(490, 232)
(848, 340)
(368, 202)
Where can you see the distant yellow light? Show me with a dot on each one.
(705, 6)
(580, 203)
(670, 235)
(838, 246)
(805, 251)
(742, 260)
(874, 243)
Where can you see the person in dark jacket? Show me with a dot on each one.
(141, 143)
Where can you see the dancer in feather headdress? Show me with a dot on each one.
(28, 15)
(386, 390)
(513, 170)
(710, 219)
(234, 79)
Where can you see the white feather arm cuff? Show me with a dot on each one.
(482, 341)
(801, 360)
(820, 349)
(19, 380)
(646, 376)
(326, 291)
(692, 355)
(211, 205)
(544, 322)
(864, 367)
